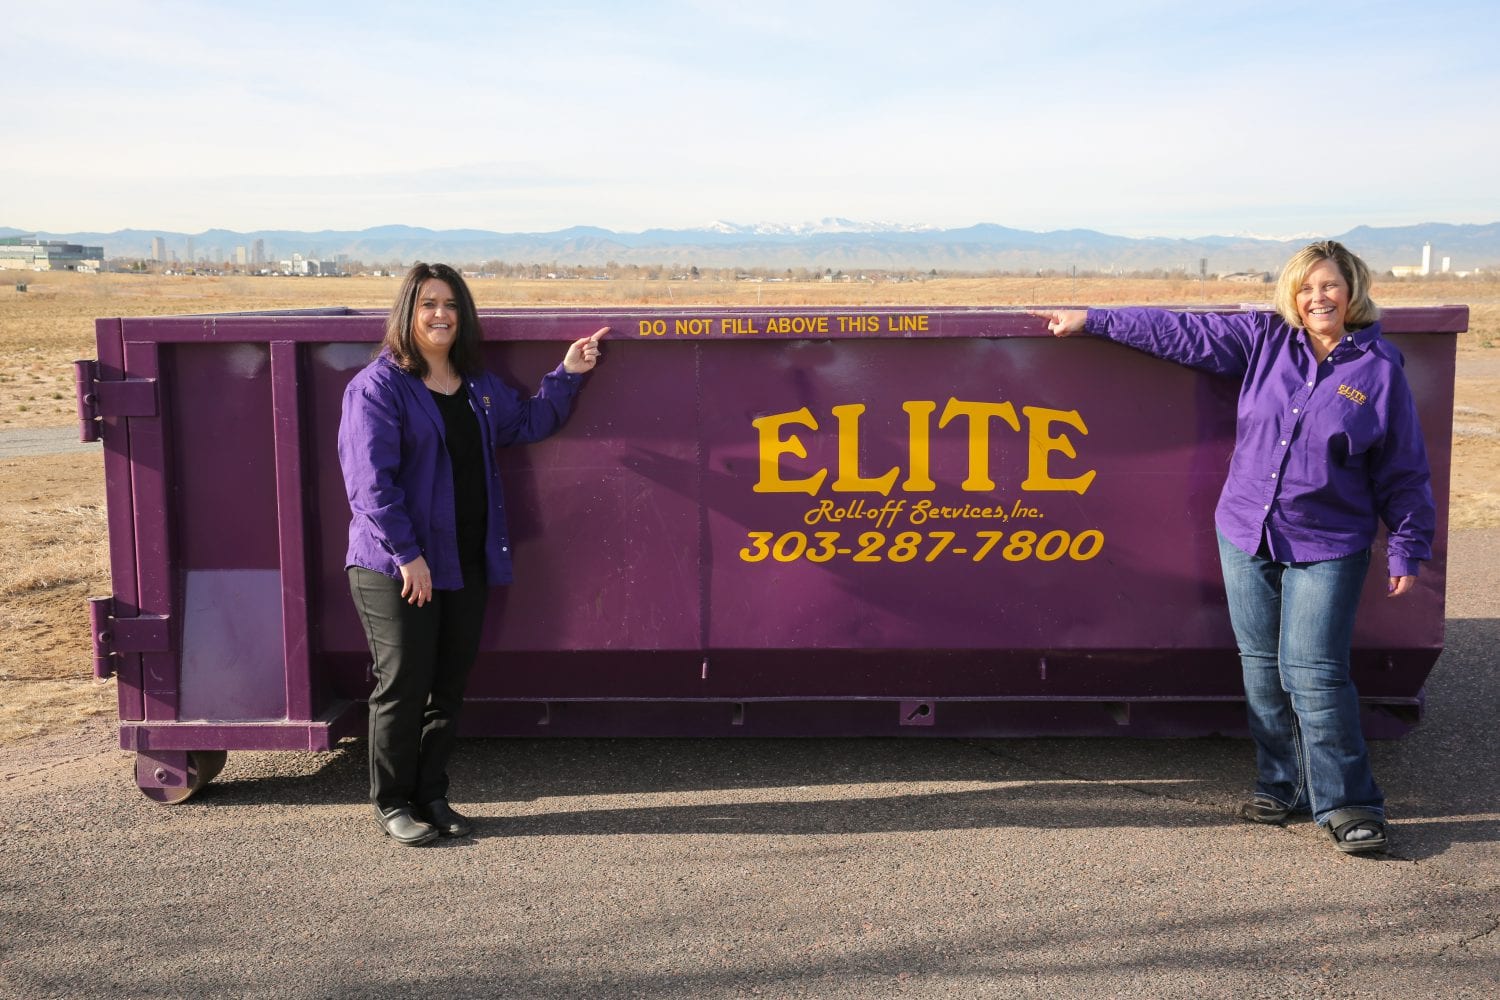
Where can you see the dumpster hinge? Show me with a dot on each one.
(113, 636)
(131, 397)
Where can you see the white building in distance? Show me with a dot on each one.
(1421, 270)
(27, 253)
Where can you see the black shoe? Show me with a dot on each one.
(401, 826)
(1264, 809)
(449, 823)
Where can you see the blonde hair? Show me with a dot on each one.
(1362, 311)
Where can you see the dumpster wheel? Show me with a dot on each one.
(172, 776)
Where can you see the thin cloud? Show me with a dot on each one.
(1161, 118)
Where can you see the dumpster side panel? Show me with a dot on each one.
(338, 642)
(936, 508)
(147, 440)
(233, 663)
(603, 520)
(735, 533)
(604, 516)
(119, 496)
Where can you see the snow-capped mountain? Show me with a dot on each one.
(830, 243)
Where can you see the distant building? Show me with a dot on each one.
(1421, 270)
(158, 249)
(27, 253)
(310, 266)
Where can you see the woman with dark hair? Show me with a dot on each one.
(1326, 444)
(427, 537)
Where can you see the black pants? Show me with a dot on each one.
(422, 659)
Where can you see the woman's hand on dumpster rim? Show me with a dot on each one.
(1400, 585)
(1062, 322)
(583, 354)
(416, 582)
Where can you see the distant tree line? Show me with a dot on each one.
(612, 270)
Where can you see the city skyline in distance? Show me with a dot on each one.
(836, 244)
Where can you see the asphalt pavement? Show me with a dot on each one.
(31, 441)
(776, 868)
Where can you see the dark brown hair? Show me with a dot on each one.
(398, 338)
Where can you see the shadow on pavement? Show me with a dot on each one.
(1442, 781)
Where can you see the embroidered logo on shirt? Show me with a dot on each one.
(1351, 393)
(486, 402)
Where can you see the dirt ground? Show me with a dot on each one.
(52, 513)
(51, 509)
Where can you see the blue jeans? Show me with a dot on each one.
(1294, 623)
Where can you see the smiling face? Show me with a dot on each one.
(434, 321)
(1323, 300)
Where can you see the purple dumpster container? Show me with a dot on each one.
(925, 522)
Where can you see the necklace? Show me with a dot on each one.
(445, 387)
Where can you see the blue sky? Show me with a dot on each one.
(1149, 118)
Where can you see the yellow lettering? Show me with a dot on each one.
(738, 325)
(777, 439)
(797, 324)
(772, 447)
(1041, 444)
(849, 480)
(919, 443)
(906, 324)
(979, 415)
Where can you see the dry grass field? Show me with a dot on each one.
(52, 507)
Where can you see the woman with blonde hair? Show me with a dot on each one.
(1327, 444)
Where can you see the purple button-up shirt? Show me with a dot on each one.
(1321, 450)
(399, 478)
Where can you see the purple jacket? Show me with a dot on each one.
(399, 478)
(1321, 450)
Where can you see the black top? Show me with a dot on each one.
(466, 450)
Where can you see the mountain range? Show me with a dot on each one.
(831, 244)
